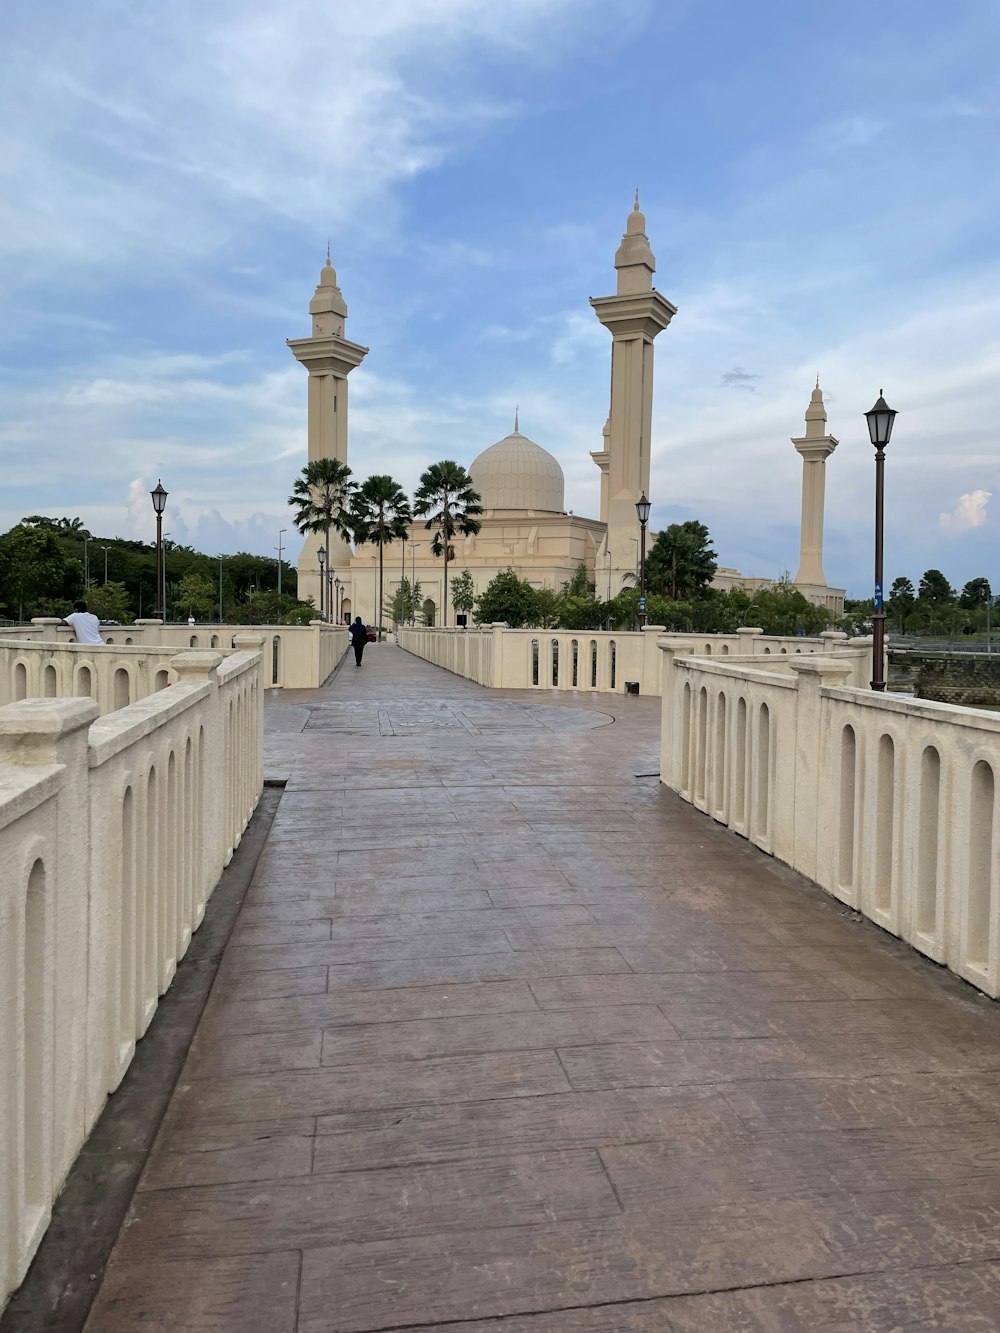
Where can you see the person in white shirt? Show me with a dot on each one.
(85, 626)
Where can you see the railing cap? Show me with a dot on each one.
(196, 665)
(820, 670)
(749, 629)
(31, 729)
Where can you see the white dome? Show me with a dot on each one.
(517, 473)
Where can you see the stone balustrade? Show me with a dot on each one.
(46, 661)
(890, 804)
(113, 832)
(522, 659)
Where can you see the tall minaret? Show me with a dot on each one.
(329, 359)
(635, 316)
(815, 447)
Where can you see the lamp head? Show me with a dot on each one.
(642, 508)
(321, 556)
(880, 419)
(159, 497)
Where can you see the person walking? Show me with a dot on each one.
(359, 637)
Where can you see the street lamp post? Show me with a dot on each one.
(880, 419)
(105, 549)
(220, 589)
(330, 613)
(86, 563)
(337, 585)
(159, 499)
(279, 548)
(642, 508)
(321, 556)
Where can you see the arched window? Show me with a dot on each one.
(575, 663)
(593, 664)
(534, 661)
(927, 840)
(20, 681)
(161, 680)
(49, 682)
(121, 689)
(555, 663)
(84, 683)
(981, 806)
(613, 662)
(276, 659)
(38, 1040)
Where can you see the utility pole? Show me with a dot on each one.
(279, 548)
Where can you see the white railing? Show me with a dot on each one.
(113, 833)
(890, 804)
(295, 656)
(524, 659)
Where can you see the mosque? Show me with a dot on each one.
(524, 522)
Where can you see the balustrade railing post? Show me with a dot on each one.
(196, 667)
(53, 733)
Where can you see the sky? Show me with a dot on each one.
(821, 186)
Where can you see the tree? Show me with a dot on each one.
(507, 599)
(110, 601)
(578, 606)
(463, 592)
(33, 566)
(446, 495)
(380, 512)
(976, 593)
(271, 608)
(935, 590)
(196, 595)
(682, 560)
(902, 596)
(405, 602)
(548, 607)
(782, 609)
(320, 499)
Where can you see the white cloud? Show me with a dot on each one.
(969, 512)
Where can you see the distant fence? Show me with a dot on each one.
(113, 832)
(605, 661)
(890, 804)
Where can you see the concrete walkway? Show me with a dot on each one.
(509, 1039)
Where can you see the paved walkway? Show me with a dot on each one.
(510, 1040)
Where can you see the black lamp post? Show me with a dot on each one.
(159, 499)
(321, 555)
(642, 508)
(337, 585)
(880, 419)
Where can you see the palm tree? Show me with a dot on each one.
(320, 499)
(380, 512)
(445, 493)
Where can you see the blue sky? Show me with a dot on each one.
(821, 189)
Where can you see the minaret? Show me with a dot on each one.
(635, 315)
(815, 447)
(329, 359)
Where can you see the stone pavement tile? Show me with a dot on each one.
(704, 1060)
(369, 1006)
(239, 986)
(340, 953)
(914, 1098)
(322, 1091)
(215, 1221)
(275, 931)
(423, 1280)
(495, 1128)
(663, 988)
(963, 1300)
(531, 1030)
(714, 1017)
(257, 1294)
(212, 1056)
(476, 967)
(271, 1157)
(352, 901)
(179, 1134)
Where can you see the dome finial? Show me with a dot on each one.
(517, 428)
(328, 254)
(635, 206)
(817, 379)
